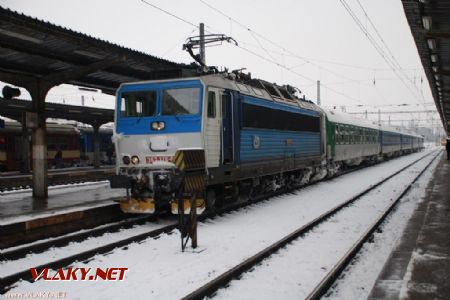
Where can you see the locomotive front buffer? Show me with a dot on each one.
(174, 186)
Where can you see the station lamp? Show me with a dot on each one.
(426, 21)
(434, 58)
(431, 44)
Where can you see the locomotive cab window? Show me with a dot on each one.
(183, 101)
(211, 104)
(138, 104)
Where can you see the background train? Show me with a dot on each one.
(225, 137)
(75, 143)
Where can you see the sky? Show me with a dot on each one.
(294, 42)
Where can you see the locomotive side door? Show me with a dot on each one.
(213, 127)
(227, 128)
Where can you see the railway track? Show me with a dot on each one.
(38, 247)
(61, 241)
(7, 281)
(20, 182)
(223, 280)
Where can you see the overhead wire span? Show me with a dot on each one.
(377, 47)
(170, 14)
(274, 61)
(261, 56)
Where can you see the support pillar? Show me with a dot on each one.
(40, 188)
(96, 145)
(25, 164)
(36, 121)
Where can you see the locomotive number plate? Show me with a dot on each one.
(152, 159)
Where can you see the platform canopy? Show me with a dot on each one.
(38, 56)
(429, 21)
(14, 108)
(31, 48)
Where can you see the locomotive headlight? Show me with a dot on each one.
(126, 159)
(158, 125)
(134, 160)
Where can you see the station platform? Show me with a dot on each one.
(66, 208)
(419, 267)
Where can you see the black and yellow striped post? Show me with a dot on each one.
(191, 164)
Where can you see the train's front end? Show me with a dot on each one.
(158, 129)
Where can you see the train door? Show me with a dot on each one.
(227, 129)
(213, 127)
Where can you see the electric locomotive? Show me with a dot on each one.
(214, 135)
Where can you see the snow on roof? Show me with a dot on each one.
(343, 118)
(400, 130)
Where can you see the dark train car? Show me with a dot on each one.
(87, 146)
(59, 137)
(391, 142)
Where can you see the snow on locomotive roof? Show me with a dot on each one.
(343, 118)
(220, 80)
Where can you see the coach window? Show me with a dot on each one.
(337, 134)
(211, 104)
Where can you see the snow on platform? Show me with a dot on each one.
(19, 206)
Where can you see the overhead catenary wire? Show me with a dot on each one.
(254, 33)
(271, 59)
(393, 68)
(377, 47)
(252, 52)
(394, 60)
(170, 14)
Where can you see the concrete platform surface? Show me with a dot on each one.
(419, 267)
(20, 206)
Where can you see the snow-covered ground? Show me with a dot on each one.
(55, 253)
(159, 270)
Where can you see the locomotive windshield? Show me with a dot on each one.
(184, 101)
(138, 104)
(177, 105)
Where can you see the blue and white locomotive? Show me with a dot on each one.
(223, 138)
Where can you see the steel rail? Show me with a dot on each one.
(225, 278)
(7, 281)
(38, 247)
